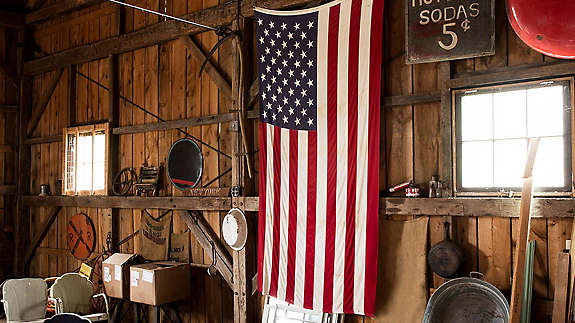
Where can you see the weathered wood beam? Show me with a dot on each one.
(512, 74)
(390, 101)
(459, 206)
(10, 73)
(221, 15)
(446, 150)
(41, 234)
(58, 9)
(12, 20)
(132, 202)
(158, 126)
(183, 123)
(211, 69)
(202, 231)
(8, 190)
(42, 103)
(6, 149)
(42, 140)
(8, 108)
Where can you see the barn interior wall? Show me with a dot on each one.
(164, 80)
(8, 142)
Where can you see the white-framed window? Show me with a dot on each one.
(492, 129)
(86, 160)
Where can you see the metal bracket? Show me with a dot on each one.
(236, 191)
(234, 126)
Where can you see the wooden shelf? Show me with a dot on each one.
(132, 202)
(460, 206)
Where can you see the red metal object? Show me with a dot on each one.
(544, 25)
(81, 236)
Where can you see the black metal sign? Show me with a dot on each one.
(438, 30)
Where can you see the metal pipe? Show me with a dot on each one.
(163, 15)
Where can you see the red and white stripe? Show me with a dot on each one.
(319, 189)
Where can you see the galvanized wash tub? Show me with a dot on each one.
(467, 300)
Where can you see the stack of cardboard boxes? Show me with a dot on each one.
(126, 276)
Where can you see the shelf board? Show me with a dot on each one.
(132, 202)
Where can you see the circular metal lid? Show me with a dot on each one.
(185, 164)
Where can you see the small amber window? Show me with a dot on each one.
(85, 160)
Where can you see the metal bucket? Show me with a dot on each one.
(468, 300)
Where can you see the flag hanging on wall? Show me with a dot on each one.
(320, 84)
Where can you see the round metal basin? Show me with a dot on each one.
(467, 300)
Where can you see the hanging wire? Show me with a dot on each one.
(153, 115)
(164, 15)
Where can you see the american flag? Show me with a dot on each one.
(320, 84)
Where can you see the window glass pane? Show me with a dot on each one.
(476, 117)
(70, 161)
(99, 161)
(509, 114)
(84, 180)
(545, 111)
(477, 164)
(549, 163)
(509, 162)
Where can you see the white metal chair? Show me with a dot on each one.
(24, 300)
(277, 311)
(73, 293)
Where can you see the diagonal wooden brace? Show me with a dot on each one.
(42, 103)
(210, 242)
(213, 71)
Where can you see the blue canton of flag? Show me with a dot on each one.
(287, 60)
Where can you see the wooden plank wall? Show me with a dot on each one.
(8, 95)
(164, 80)
(412, 150)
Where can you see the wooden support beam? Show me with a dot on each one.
(8, 108)
(512, 74)
(41, 234)
(517, 289)
(10, 73)
(221, 15)
(11, 20)
(461, 206)
(6, 149)
(211, 69)
(391, 101)
(183, 123)
(8, 190)
(560, 299)
(210, 243)
(132, 202)
(22, 216)
(445, 122)
(58, 9)
(167, 125)
(43, 140)
(42, 103)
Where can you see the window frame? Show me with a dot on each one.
(93, 128)
(568, 138)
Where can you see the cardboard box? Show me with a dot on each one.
(159, 282)
(116, 274)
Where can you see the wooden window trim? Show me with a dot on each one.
(77, 131)
(570, 156)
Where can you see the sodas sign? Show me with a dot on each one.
(449, 29)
